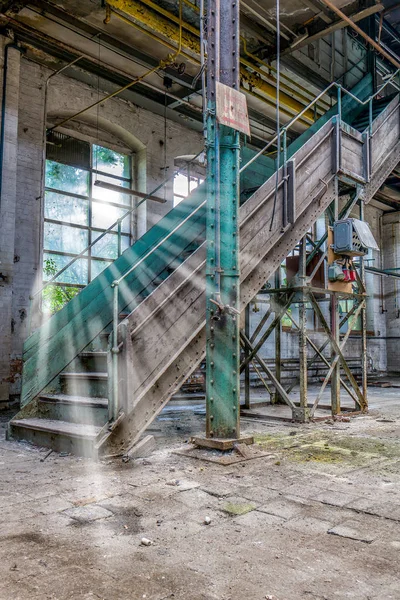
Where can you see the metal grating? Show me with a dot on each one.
(68, 150)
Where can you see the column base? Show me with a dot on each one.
(301, 414)
(221, 443)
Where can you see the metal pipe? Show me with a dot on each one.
(166, 27)
(363, 323)
(217, 211)
(202, 66)
(115, 351)
(374, 44)
(129, 191)
(153, 36)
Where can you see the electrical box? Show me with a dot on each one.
(352, 237)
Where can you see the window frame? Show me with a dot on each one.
(189, 177)
(93, 232)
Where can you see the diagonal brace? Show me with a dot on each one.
(338, 351)
(268, 372)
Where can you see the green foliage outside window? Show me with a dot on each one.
(56, 296)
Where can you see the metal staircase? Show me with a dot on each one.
(101, 369)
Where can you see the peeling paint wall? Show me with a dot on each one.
(122, 126)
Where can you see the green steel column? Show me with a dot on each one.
(222, 279)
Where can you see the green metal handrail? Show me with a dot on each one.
(340, 89)
(114, 409)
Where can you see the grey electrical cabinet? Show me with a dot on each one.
(352, 237)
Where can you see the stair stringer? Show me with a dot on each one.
(385, 147)
(168, 328)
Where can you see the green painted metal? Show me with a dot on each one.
(58, 341)
(222, 269)
(51, 348)
(349, 108)
(222, 327)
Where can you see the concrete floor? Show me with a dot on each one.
(317, 518)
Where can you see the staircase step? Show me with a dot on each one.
(86, 410)
(88, 375)
(84, 384)
(90, 361)
(62, 436)
(75, 400)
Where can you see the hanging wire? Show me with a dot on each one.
(169, 60)
(278, 128)
(97, 114)
(165, 141)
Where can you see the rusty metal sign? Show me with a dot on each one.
(232, 108)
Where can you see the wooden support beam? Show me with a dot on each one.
(355, 17)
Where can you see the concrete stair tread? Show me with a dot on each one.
(84, 375)
(76, 430)
(75, 400)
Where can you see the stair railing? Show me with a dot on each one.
(117, 224)
(115, 347)
(114, 406)
(340, 90)
(283, 135)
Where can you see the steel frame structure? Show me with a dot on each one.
(302, 292)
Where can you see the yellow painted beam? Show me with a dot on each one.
(166, 25)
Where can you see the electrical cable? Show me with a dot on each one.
(170, 59)
(278, 125)
(165, 142)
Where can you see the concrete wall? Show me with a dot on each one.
(118, 124)
(391, 252)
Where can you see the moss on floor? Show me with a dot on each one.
(327, 447)
(238, 508)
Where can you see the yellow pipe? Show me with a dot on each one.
(163, 26)
(172, 17)
(152, 35)
(283, 76)
(262, 73)
(151, 18)
(269, 103)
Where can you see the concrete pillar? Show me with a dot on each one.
(391, 260)
(8, 205)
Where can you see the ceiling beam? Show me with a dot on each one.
(355, 17)
(83, 28)
(352, 24)
(12, 5)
